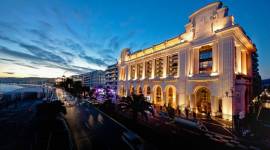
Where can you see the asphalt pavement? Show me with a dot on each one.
(93, 129)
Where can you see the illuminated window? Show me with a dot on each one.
(148, 69)
(139, 70)
(205, 60)
(172, 65)
(158, 94)
(170, 96)
(159, 67)
(139, 90)
(148, 90)
(131, 90)
(132, 71)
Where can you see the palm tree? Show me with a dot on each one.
(136, 104)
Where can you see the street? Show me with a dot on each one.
(93, 129)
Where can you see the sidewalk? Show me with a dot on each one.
(169, 126)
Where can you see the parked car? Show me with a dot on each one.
(191, 125)
(133, 140)
(164, 116)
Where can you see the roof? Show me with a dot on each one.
(217, 4)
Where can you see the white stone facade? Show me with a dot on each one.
(207, 68)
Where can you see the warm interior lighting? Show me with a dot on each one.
(214, 74)
(267, 105)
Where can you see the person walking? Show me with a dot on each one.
(186, 112)
(194, 115)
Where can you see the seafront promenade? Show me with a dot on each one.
(12, 93)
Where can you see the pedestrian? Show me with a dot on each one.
(186, 112)
(178, 111)
(194, 115)
(208, 115)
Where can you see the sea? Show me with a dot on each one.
(4, 88)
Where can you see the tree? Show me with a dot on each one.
(256, 80)
(77, 88)
(136, 104)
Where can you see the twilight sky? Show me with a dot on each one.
(49, 38)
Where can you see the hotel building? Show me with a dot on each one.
(208, 68)
(111, 76)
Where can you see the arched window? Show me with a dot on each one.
(203, 100)
(139, 90)
(158, 94)
(170, 92)
(131, 90)
(170, 96)
(148, 90)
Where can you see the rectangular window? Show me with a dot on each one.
(172, 65)
(148, 69)
(159, 67)
(205, 60)
(133, 69)
(139, 70)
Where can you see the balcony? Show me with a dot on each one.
(202, 77)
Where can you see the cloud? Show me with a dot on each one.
(71, 31)
(5, 38)
(69, 43)
(114, 42)
(8, 26)
(109, 58)
(5, 59)
(41, 34)
(93, 45)
(25, 65)
(74, 69)
(42, 54)
(45, 45)
(9, 73)
(34, 59)
(7, 51)
(67, 54)
(45, 24)
(92, 60)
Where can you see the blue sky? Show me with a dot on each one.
(49, 38)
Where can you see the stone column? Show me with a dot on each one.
(191, 61)
(238, 58)
(136, 73)
(143, 72)
(176, 100)
(165, 67)
(195, 61)
(129, 72)
(214, 105)
(153, 68)
(227, 108)
(164, 100)
(215, 58)
(181, 99)
(244, 62)
(126, 73)
(178, 67)
(192, 102)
